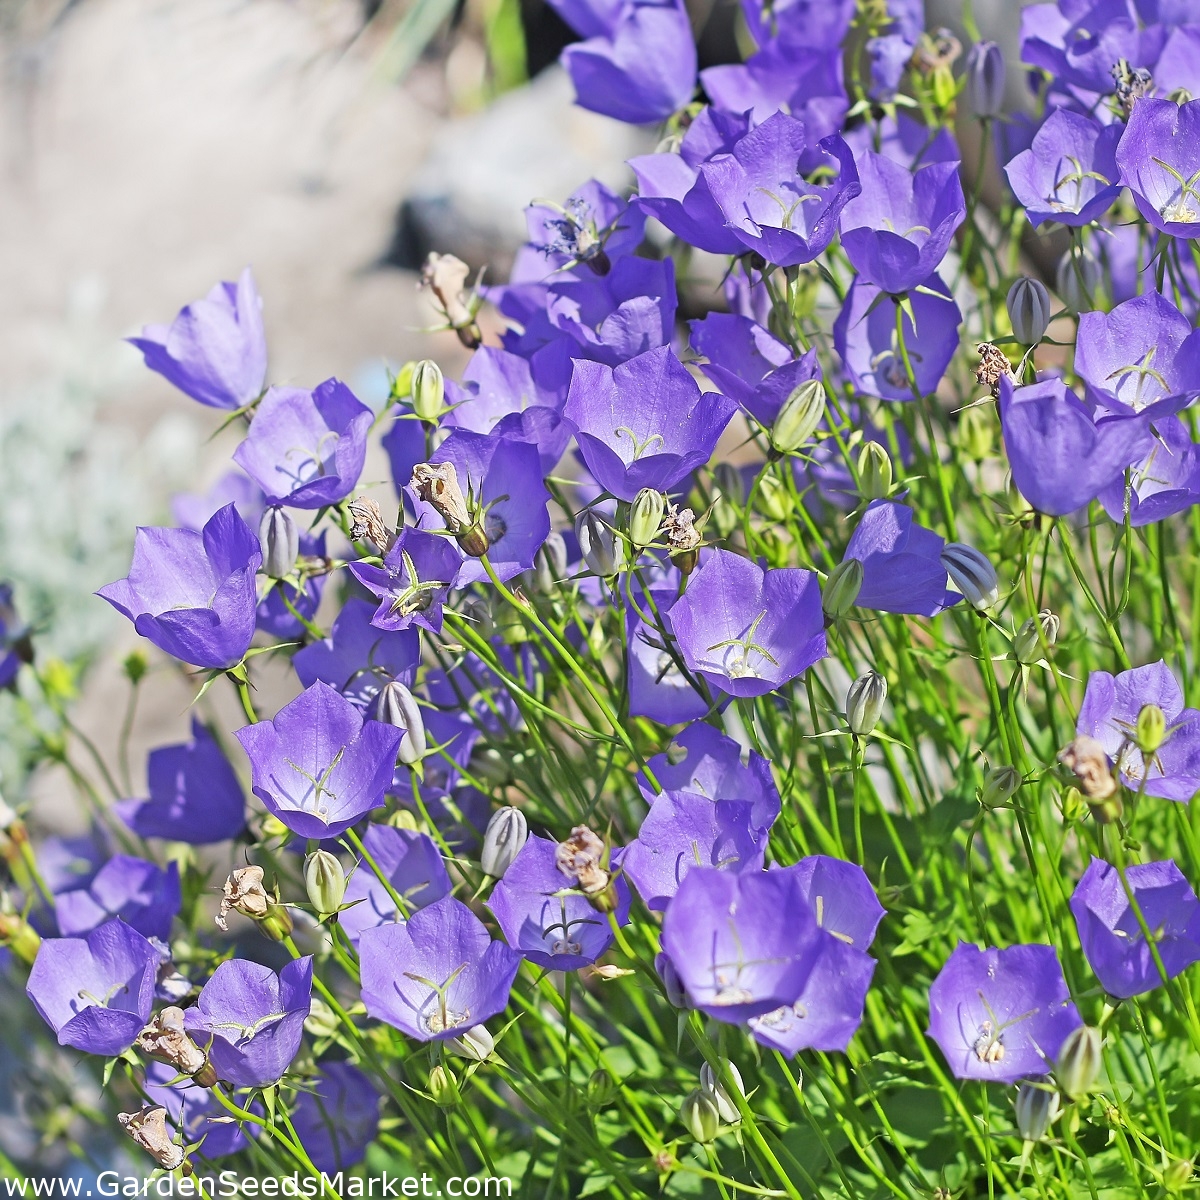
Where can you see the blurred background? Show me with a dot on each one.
(148, 149)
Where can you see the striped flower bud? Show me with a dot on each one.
(280, 540)
(597, 543)
(1077, 279)
(1028, 306)
(841, 589)
(699, 1116)
(1000, 785)
(428, 390)
(972, 573)
(714, 1088)
(1078, 1064)
(398, 707)
(983, 80)
(476, 1044)
(325, 881)
(1037, 1104)
(864, 702)
(506, 833)
(1028, 641)
(798, 417)
(874, 472)
(443, 1087)
(1151, 729)
(646, 516)
(601, 1088)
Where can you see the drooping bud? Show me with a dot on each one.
(1079, 1058)
(646, 517)
(476, 1044)
(325, 881)
(507, 832)
(1076, 280)
(1037, 1103)
(683, 538)
(165, 1038)
(1036, 632)
(676, 996)
(798, 417)
(699, 1116)
(972, 573)
(1000, 785)
(1151, 729)
(443, 1087)
(841, 589)
(446, 277)
(601, 1088)
(1028, 306)
(874, 472)
(1086, 758)
(280, 539)
(714, 1088)
(428, 390)
(597, 543)
(398, 707)
(993, 366)
(864, 702)
(983, 79)
(149, 1129)
(579, 858)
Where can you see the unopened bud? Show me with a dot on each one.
(646, 517)
(150, 1130)
(1077, 280)
(443, 1087)
(19, 936)
(840, 593)
(672, 984)
(280, 539)
(597, 543)
(549, 565)
(1151, 729)
(1079, 1058)
(1028, 304)
(1000, 785)
(1072, 805)
(404, 818)
(976, 435)
(398, 707)
(277, 924)
(1178, 1175)
(322, 1021)
(507, 832)
(1086, 757)
(730, 484)
(798, 417)
(699, 1116)
(428, 390)
(874, 472)
(325, 881)
(601, 1088)
(476, 1044)
(135, 666)
(714, 1088)
(1037, 1104)
(478, 611)
(983, 80)
(864, 702)
(1036, 638)
(972, 573)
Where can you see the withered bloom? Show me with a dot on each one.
(579, 859)
(993, 366)
(1085, 756)
(149, 1129)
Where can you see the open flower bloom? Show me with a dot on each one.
(766, 200)
(193, 594)
(1165, 482)
(337, 1118)
(594, 227)
(318, 766)
(682, 831)
(546, 916)
(657, 687)
(143, 895)
(1159, 159)
(1069, 174)
(96, 993)
(645, 423)
(195, 796)
(214, 351)
(1109, 714)
(413, 582)
(702, 760)
(436, 974)
(250, 1020)
(1111, 935)
(1001, 1015)
(742, 943)
(307, 449)
(412, 865)
(745, 630)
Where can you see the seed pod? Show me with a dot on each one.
(699, 1116)
(428, 390)
(983, 79)
(841, 589)
(1151, 729)
(443, 1087)
(874, 472)
(476, 1044)
(798, 417)
(280, 539)
(325, 881)
(715, 1090)
(1027, 641)
(1000, 785)
(1028, 306)
(597, 543)
(1079, 1058)
(1037, 1103)
(972, 573)
(1077, 279)
(864, 702)
(646, 516)
(507, 832)
(398, 707)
